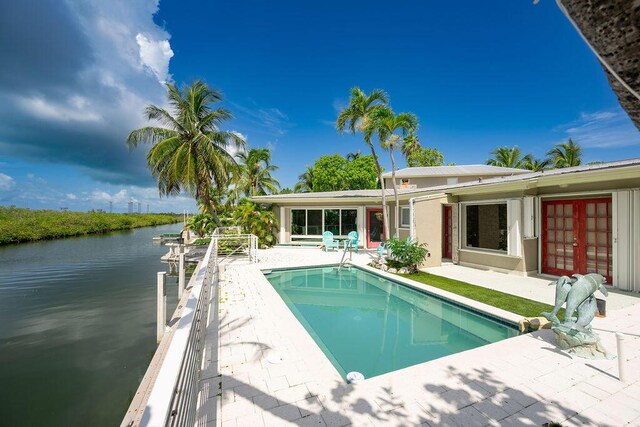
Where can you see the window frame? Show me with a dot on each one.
(463, 224)
(402, 224)
(323, 225)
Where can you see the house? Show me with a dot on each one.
(303, 217)
(584, 219)
(558, 222)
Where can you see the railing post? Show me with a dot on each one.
(162, 305)
(181, 272)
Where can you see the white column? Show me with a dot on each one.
(161, 311)
(514, 232)
(362, 226)
(282, 225)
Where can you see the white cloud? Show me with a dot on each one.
(88, 100)
(155, 55)
(6, 182)
(71, 196)
(602, 129)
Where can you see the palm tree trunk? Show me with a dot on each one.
(395, 192)
(385, 213)
(208, 205)
(213, 213)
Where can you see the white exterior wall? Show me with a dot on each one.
(626, 240)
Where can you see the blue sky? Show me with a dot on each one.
(478, 74)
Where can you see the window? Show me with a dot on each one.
(405, 217)
(313, 222)
(298, 221)
(348, 221)
(332, 220)
(486, 226)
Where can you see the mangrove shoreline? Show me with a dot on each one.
(19, 225)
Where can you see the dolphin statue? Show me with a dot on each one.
(563, 286)
(583, 288)
(586, 312)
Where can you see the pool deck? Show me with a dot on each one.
(260, 367)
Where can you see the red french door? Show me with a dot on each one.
(375, 228)
(447, 231)
(576, 237)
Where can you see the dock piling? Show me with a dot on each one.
(162, 305)
(181, 272)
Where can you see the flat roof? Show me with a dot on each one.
(457, 170)
(553, 174)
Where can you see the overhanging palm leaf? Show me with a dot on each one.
(189, 151)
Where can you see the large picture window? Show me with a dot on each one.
(486, 226)
(313, 222)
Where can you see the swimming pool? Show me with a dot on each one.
(366, 323)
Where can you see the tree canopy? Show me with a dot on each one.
(334, 172)
(425, 156)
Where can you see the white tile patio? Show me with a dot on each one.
(262, 368)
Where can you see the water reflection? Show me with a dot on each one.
(77, 326)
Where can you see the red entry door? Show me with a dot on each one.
(576, 237)
(447, 230)
(375, 228)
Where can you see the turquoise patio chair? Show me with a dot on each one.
(328, 242)
(353, 238)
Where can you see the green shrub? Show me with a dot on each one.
(257, 220)
(202, 242)
(202, 224)
(405, 253)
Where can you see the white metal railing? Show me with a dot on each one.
(173, 398)
(228, 241)
(172, 401)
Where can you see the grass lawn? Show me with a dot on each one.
(512, 303)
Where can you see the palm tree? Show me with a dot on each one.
(189, 151)
(410, 144)
(356, 117)
(507, 158)
(305, 181)
(255, 171)
(535, 165)
(392, 129)
(566, 155)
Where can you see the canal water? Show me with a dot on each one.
(77, 326)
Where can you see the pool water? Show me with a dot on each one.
(366, 323)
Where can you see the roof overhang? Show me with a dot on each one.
(581, 177)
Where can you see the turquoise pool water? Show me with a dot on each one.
(366, 323)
